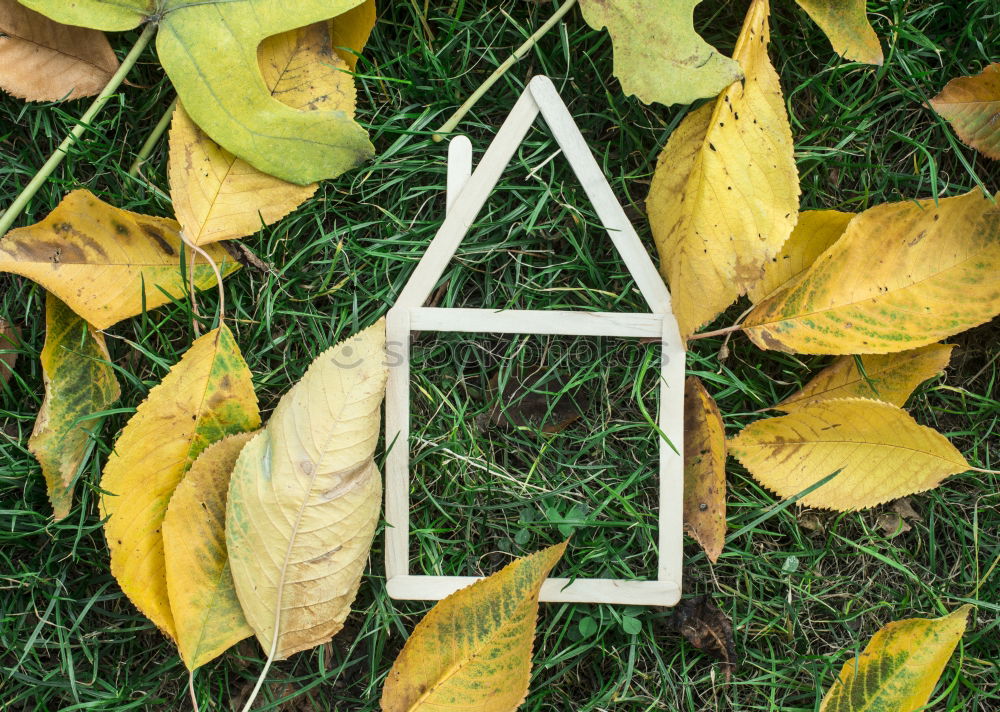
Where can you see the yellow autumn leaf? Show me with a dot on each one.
(106, 264)
(881, 452)
(902, 275)
(815, 231)
(899, 667)
(889, 377)
(206, 396)
(845, 22)
(217, 196)
(704, 469)
(305, 497)
(972, 107)
(725, 194)
(79, 382)
(472, 651)
(207, 615)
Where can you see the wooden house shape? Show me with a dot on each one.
(467, 193)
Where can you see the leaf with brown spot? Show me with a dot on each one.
(704, 469)
(106, 264)
(43, 60)
(972, 107)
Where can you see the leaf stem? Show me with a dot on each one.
(152, 140)
(82, 125)
(215, 268)
(717, 332)
(194, 697)
(449, 125)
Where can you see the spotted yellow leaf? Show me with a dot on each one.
(724, 197)
(903, 275)
(881, 452)
(79, 383)
(472, 650)
(305, 497)
(704, 469)
(845, 22)
(106, 264)
(207, 615)
(889, 377)
(900, 666)
(972, 106)
(206, 396)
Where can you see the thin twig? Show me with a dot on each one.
(152, 140)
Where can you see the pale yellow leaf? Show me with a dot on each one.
(881, 452)
(972, 107)
(207, 615)
(305, 497)
(890, 377)
(902, 275)
(704, 469)
(845, 22)
(724, 197)
(899, 667)
(472, 651)
(206, 396)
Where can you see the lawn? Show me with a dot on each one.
(804, 589)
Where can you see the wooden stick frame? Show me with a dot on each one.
(467, 193)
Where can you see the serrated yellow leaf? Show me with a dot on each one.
(902, 275)
(899, 667)
(845, 22)
(106, 264)
(658, 56)
(472, 651)
(881, 452)
(207, 615)
(305, 497)
(79, 382)
(704, 469)
(206, 396)
(725, 194)
(972, 107)
(350, 31)
(890, 378)
(815, 231)
(217, 196)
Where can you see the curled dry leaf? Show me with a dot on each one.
(209, 51)
(902, 275)
(725, 194)
(106, 264)
(889, 377)
(206, 396)
(305, 497)
(845, 22)
(473, 649)
(207, 615)
(899, 667)
(79, 382)
(42, 60)
(972, 107)
(704, 469)
(881, 452)
(706, 627)
(658, 56)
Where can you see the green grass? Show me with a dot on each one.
(69, 640)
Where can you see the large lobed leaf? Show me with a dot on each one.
(209, 51)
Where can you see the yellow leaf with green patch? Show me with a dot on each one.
(209, 51)
(881, 452)
(845, 22)
(725, 194)
(900, 666)
(704, 469)
(305, 497)
(903, 275)
(218, 196)
(473, 649)
(815, 231)
(206, 396)
(972, 107)
(106, 264)
(889, 377)
(207, 615)
(79, 383)
(658, 56)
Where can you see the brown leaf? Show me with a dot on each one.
(811, 521)
(707, 628)
(904, 508)
(892, 525)
(532, 401)
(10, 337)
(43, 60)
(704, 469)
